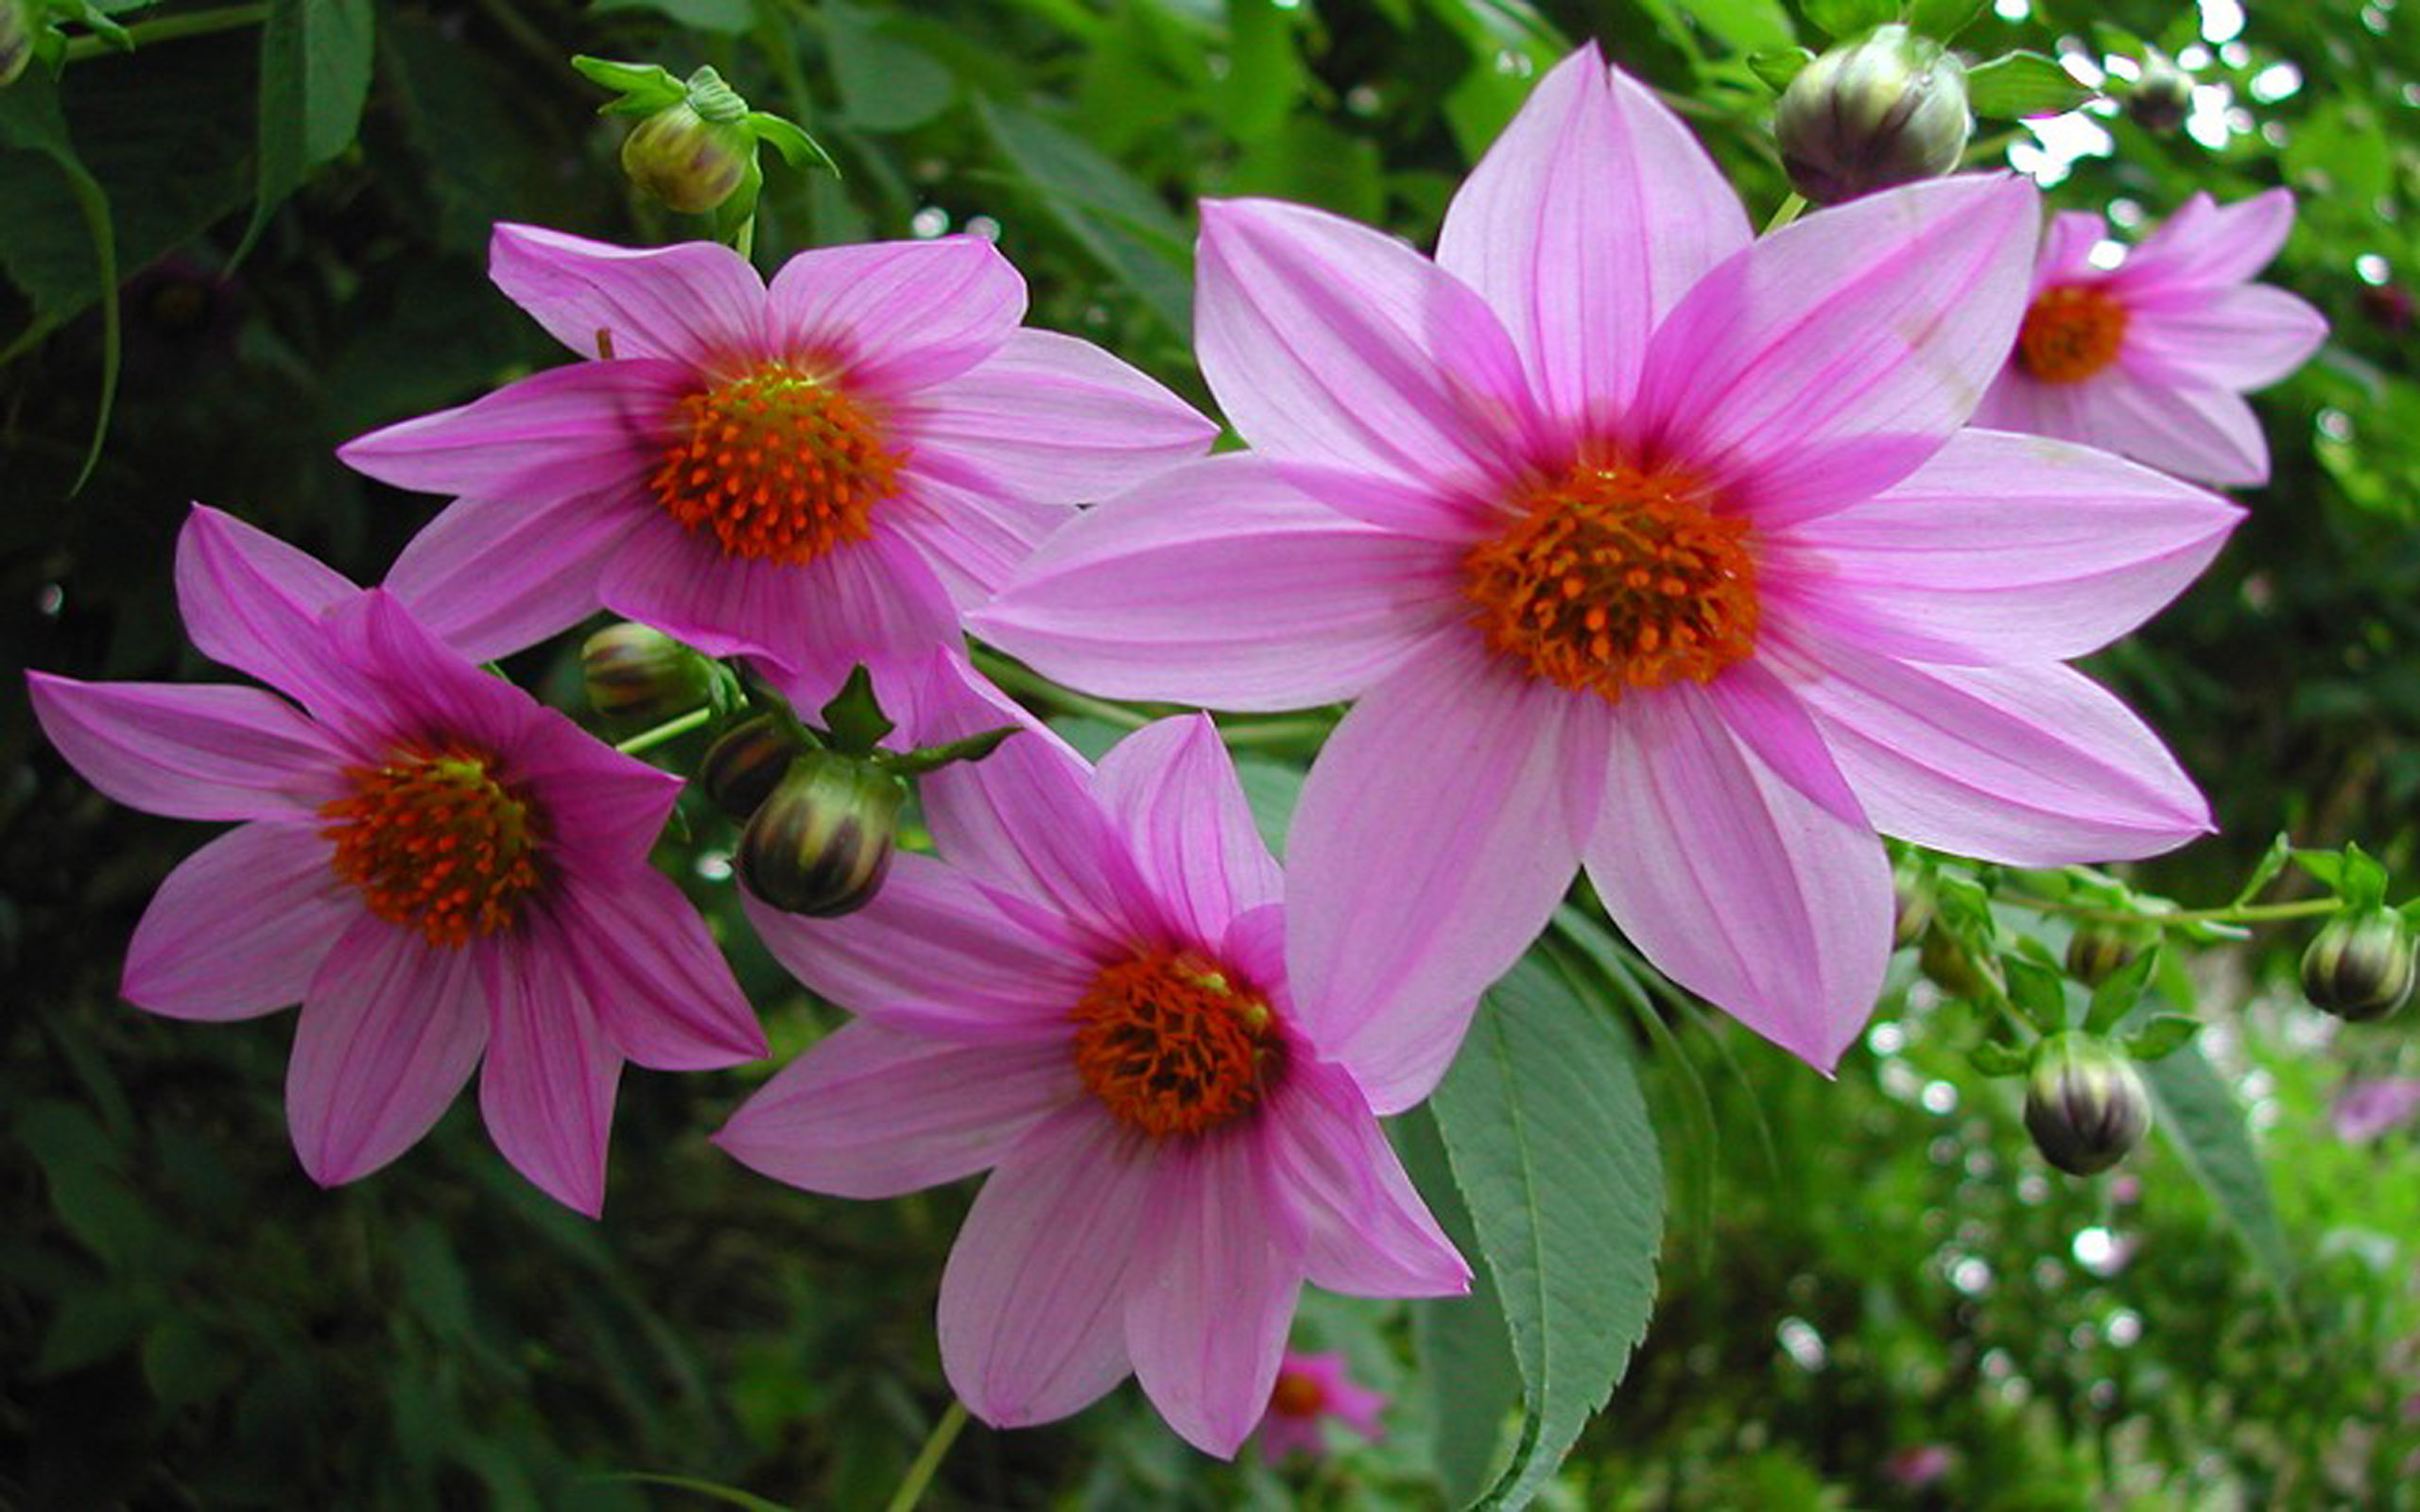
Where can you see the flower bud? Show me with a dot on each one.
(2359, 967)
(635, 672)
(1887, 110)
(2161, 98)
(821, 844)
(2096, 951)
(746, 764)
(1951, 966)
(2084, 1104)
(692, 155)
(1910, 906)
(16, 39)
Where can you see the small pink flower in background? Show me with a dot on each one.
(2151, 359)
(1088, 997)
(1644, 545)
(2372, 1106)
(816, 474)
(1311, 1388)
(442, 871)
(1919, 1465)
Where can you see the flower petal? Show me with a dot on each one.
(1171, 788)
(191, 752)
(417, 688)
(2204, 242)
(2068, 245)
(1368, 1232)
(390, 1030)
(1032, 1317)
(1735, 884)
(1218, 1267)
(240, 926)
(2030, 766)
(2210, 435)
(447, 574)
(2238, 338)
(972, 533)
(258, 605)
(1222, 584)
(897, 317)
(872, 1111)
(659, 983)
(577, 429)
(1878, 323)
(1326, 341)
(1055, 418)
(1436, 832)
(547, 1091)
(698, 303)
(1584, 225)
(2002, 548)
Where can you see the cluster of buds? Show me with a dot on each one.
(1887, 109)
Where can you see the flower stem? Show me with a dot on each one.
(928, 1459)
(1790, 210)
(2232, 914)
(1016, 679)
(169, 28)
(646, 740)
(743, 241)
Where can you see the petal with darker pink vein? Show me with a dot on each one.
(191, 752)
(258, 605)
(447, 574)
(896, 317)
(1171, 788)
(240, 926)
(1055, 418)
(698, 303)
(657, 979)
(575, 429)
(1367, 1233)
(546, 1091)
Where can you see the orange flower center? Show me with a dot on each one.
(1173, 1045)
(781, 465)
(1611, 578)
(1296, 1395)
(435, 843)
(2070, 333)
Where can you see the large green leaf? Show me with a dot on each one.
(315, 78)
(2205, 1124)
(1465, 1351)
(1551, 1148)
(1119, 220)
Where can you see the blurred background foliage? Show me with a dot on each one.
(1872, 1292)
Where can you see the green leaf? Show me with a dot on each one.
(797, 149)
(1551, 1148)
(2363, 882)
(1843, 19)
(2203, 1121)
(315, 78)
(89, 1327)
(643, 88)
(2038, 990)
(30, 120)
(2162, 1037)
(933, 758)
(1264, 76)
(2120, 991)
(2017, 84)
(853, 718)
(1465, 1347)
(885, 84)
(730, 17)
(2326, 867)
(1745, 25)
(1943, 20)
(1777, 66)
(2280, 850)
(1119, 221)
(1996, 1057)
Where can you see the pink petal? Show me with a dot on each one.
(419, 688)
(2239, 338)
(1438, 827)
(604, 811)
(1171, 788)
(1221, 584)
(1326, 341)
(1770, 722)
(547, 1091)
(1058, 418)
(577, 429)
(1368, 1232)
(2002, 548)
(2210, 435)
(1217, 1266)
(1878, 323)
(656, 978)
(874, 1113)
(390, 1030)
(897, 317)
(2068, 247)
(1585, 224)
(1736, 886)
(240, 926)
(698, 303)
(191, 752)
(2031, 766)
(258, 605)
(935, 954)
(1032, 1322)
(2205, 244)
(972, 534)
(447, 574)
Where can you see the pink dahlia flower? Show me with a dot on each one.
(1311, 1388)
(819, 473)
(1088, 997)
(442, 872)
(1641, 545)
(2151, 358)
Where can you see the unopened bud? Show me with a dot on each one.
(2359, 967)
(821, 844)
(1951, 966)
(2098, 951)
(1887, 110)
(637, 672)
(693, 155)
(2084, 1104)
(746, 764)
(16, 39)
(1910, 906)
(2162, 98)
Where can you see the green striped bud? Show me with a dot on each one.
(2084, 1104)
(821, 844)
(1887, 110)
(2359, 965)
(746, 764)
(693, 155)
(638, 673)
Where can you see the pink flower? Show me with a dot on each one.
(1311, 1387)
(819, 473)
(1644, 545)
(2151, 359)
(439, 869)
(1088, 997)
(2369, 1106)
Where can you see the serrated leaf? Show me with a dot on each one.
(853, 718)
(1550, 1145)
(2017, 84)
(2162, 1037)
(2203, 1124)
(1777, 66)
(2120, 991)
(315, 78)
(1843, 19)
(1465, 1348)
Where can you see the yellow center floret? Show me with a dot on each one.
(2070, 333)
(781, 465)
(435, 843)
(1611, 578)
(1172, 1044)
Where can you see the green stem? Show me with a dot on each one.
(743, 241)
(1016, 679)
(1790, 210)
(2232, 914)
(169, 28)
(1306, 729)
(928, 1459)
(646, 740)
